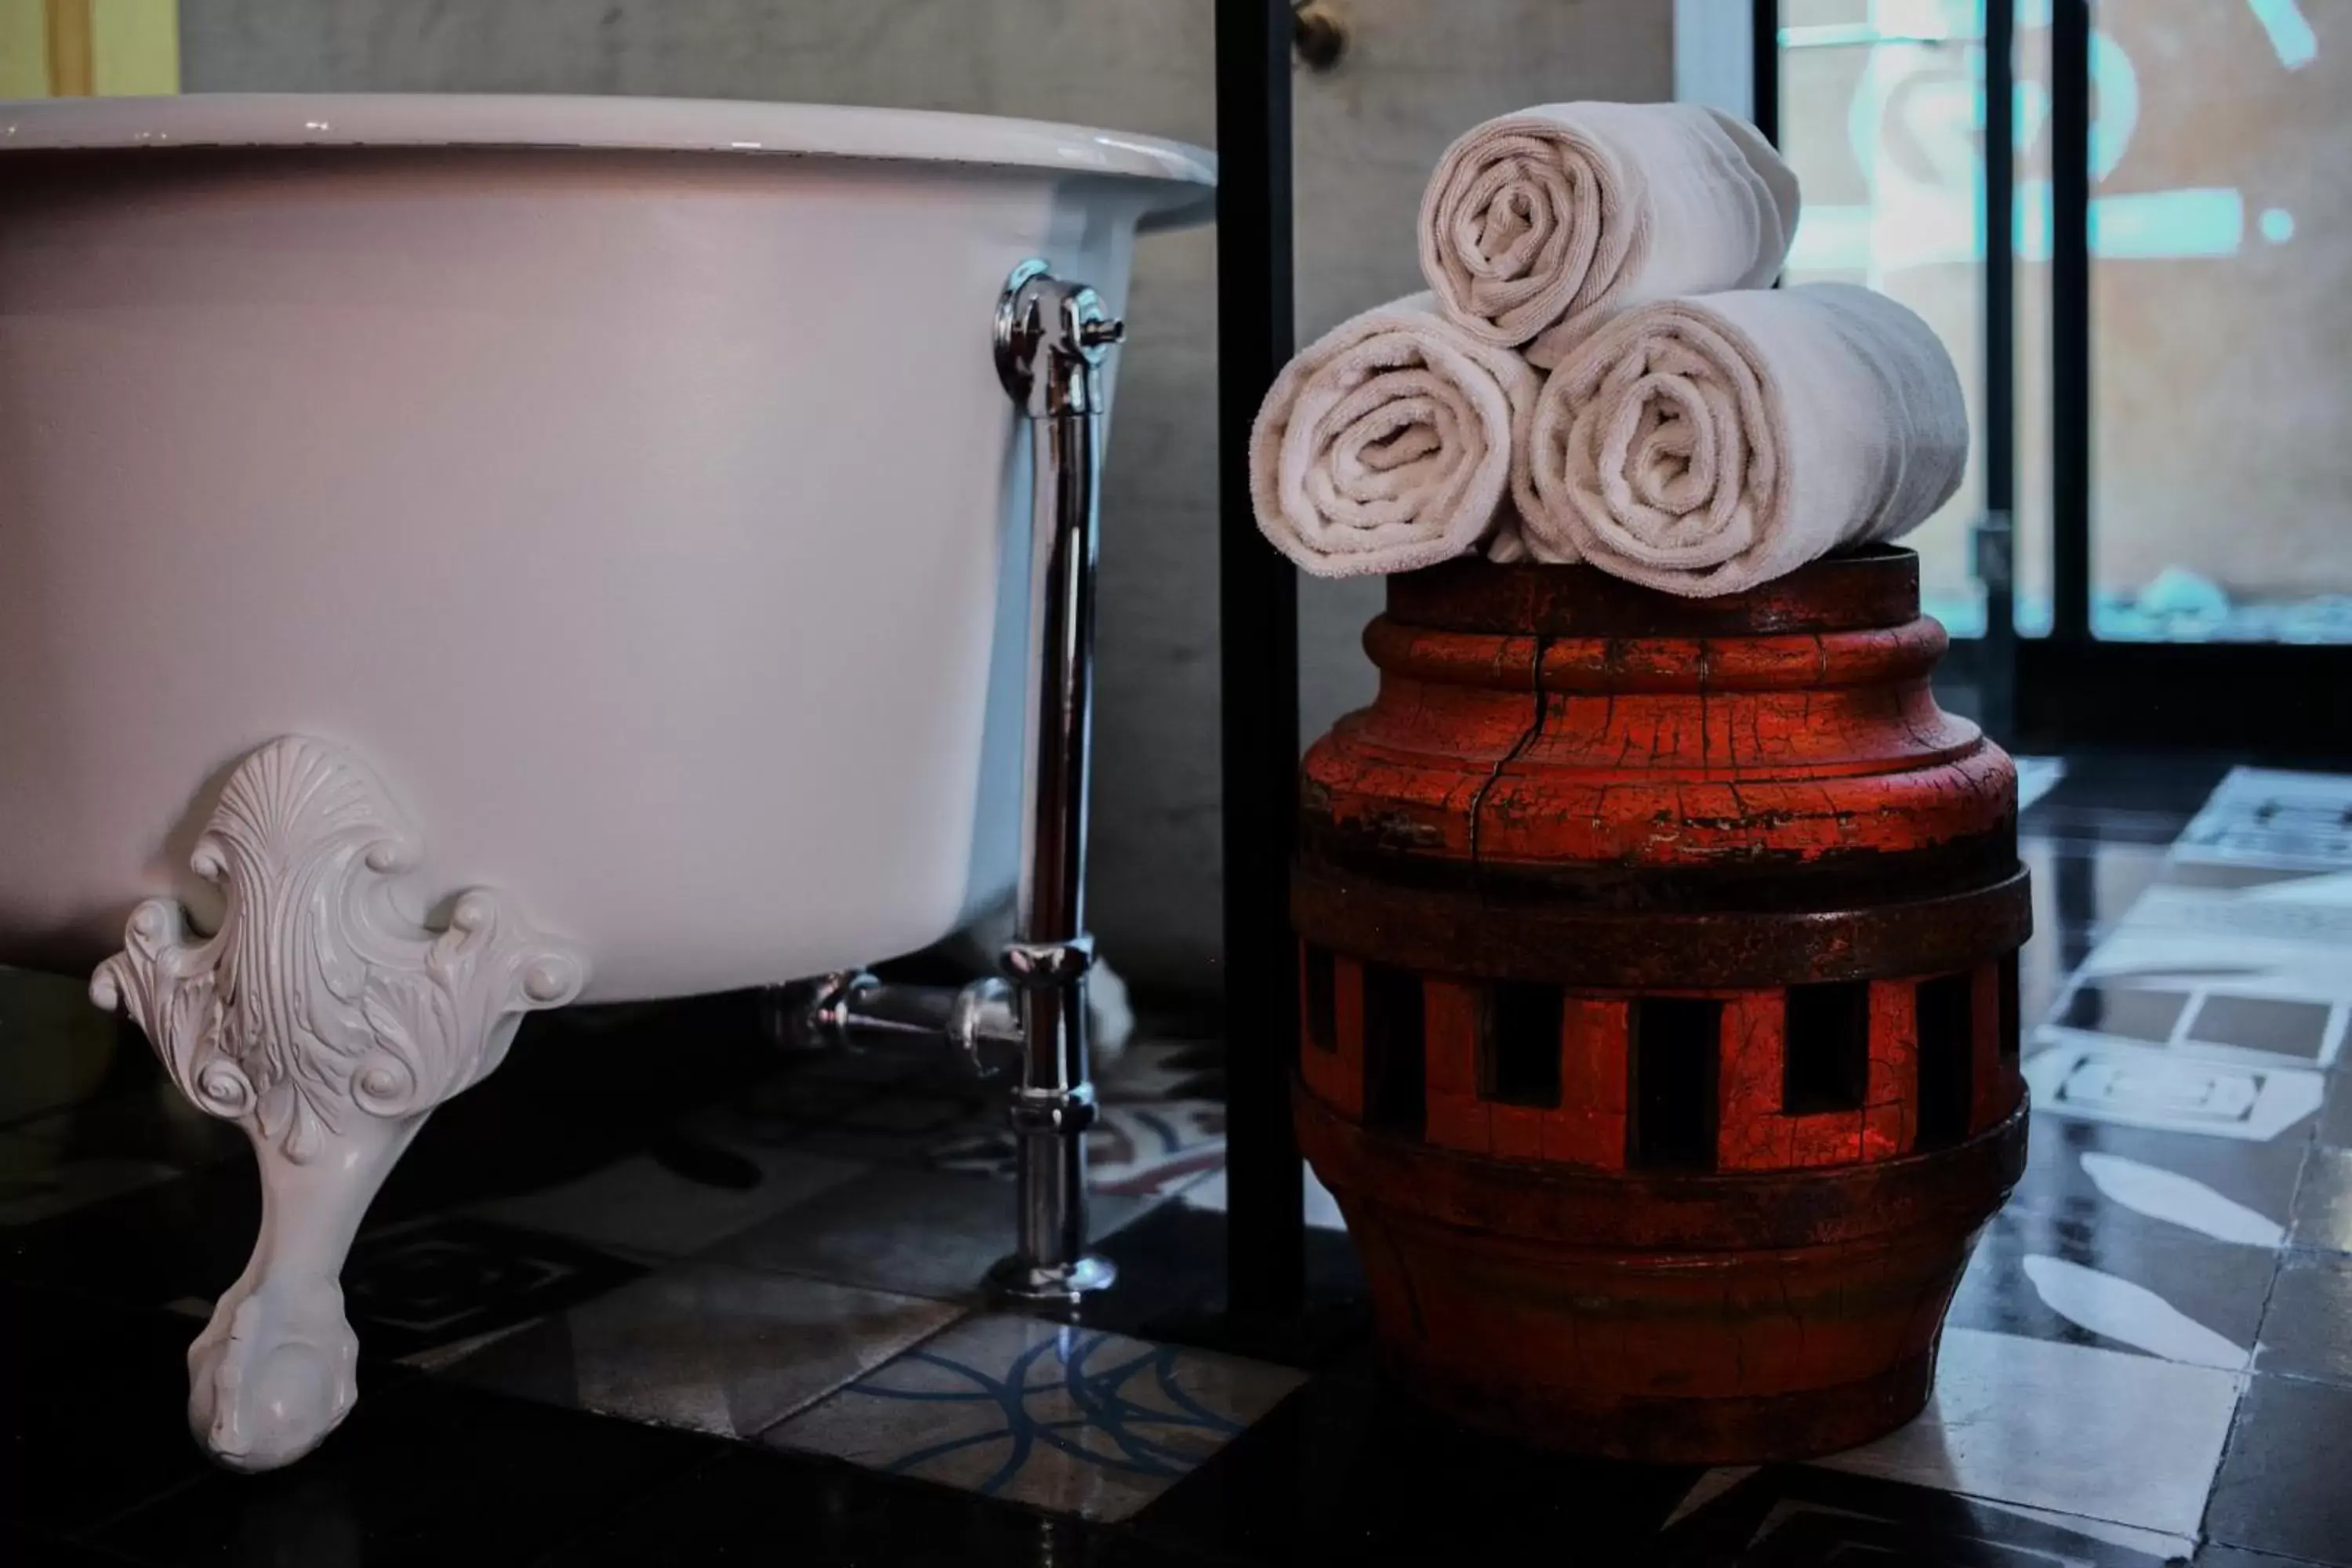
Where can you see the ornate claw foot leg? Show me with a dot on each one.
(328, 1027)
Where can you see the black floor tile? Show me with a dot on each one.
(759, 1506)
(55, 1049)
(1344, 1472)
(2129, 792)
(1172, 1288)
(2282, 1486)
(2323, 1200)
(92, 1411)
(406, 1288)
(423, 1474)
(147, 1120)
(2043, 967)
(2335, 1111)
(2307, 1331)
(50, 1552)
(1172, 1264)
(572, 1096)
(147, 1248)
(2088, 886)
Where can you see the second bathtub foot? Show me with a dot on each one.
(328, 1027)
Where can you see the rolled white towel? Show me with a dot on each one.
(1388, 445)
(1536, 219)
(1706, 445)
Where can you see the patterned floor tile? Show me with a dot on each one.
(1141, 1150)
(2264, 816)
(2086, 1275)
(1067, 1418)
(669, 1204)
(424, 1285)
(2248, 973)
(2234, 1187)
(2103, 1077)
(2129, 1439)
(2282, 1488)
(1785, 1516)
(708, 1347)
(922, 1232)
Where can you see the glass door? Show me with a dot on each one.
(2147, 289)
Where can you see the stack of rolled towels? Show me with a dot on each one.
(1601, 371)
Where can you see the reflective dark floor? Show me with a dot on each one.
(645, 1298)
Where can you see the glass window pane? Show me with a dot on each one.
(1880, 113)
(2222, 319)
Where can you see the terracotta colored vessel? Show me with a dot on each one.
(1660, 1004)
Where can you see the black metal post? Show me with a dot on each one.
(1764, 93)
(1996, 564)
(2070, 318)
(1257, 606)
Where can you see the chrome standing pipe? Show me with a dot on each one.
(1051, 340)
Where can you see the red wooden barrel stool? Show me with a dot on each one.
(1659, 982)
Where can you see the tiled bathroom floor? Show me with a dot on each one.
(647, 1296)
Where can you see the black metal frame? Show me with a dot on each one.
(1764, 83)
(1996, 661)
(2070, 317)
(1258, 684)
(2069, 688)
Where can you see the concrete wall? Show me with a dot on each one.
(1417, 73)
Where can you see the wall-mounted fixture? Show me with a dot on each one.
(1318, 35)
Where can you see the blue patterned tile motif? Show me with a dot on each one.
(1148, 1150)
(1067, 1418)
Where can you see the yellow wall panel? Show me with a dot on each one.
(23, 49)
(64, 48)
(137, 46)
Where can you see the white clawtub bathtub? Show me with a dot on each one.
(607, 503)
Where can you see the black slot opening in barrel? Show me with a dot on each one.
(1322, 1006)
(1522, 1045)
(1676, 1042)
(1826, 1055)
(1947, 1058)
(2010, 1020)
(1396, 1094)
